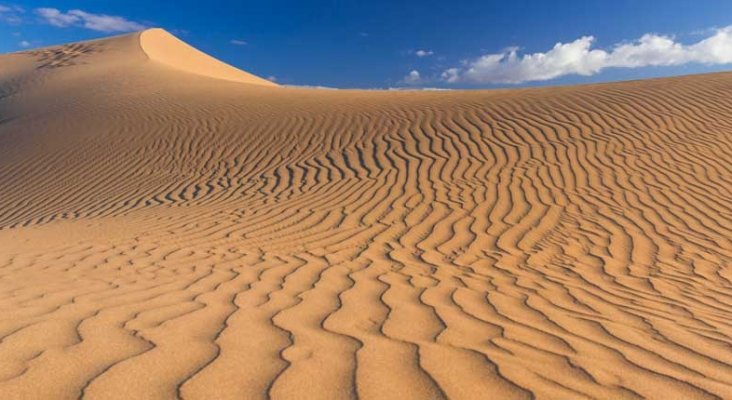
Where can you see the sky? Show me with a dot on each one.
(408, 43)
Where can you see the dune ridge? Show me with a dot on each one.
(162, 47)
(166, 235)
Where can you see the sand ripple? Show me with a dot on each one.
(167, 235)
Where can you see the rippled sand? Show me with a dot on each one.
(173, 227)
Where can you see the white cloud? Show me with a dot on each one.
(96, 22)
(423, 89)
(11, 14)
(412, 78)
(238, 42)
(272, 78)
(311, 87)
(106, 23)
(24, 43)
(424, 53)
(579, 58)
(56, 17)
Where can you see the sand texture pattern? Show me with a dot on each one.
(171, 227)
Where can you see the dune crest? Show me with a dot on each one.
(167, 235)
(162, 47)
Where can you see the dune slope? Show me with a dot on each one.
(171, 227)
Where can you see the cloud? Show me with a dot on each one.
(57, 18)
(24, 44)
(423, 89)
(95, 22)
(11, 14)
(272, 78)
(424, 53)
(238, 42)
(312, 87)
(5, 9)
(580, 58)
(412, 78)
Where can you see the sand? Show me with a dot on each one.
(171, 227)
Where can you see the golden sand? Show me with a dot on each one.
(171, 227)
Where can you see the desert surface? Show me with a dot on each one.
(173, 227)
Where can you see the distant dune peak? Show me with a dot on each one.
(162, 47)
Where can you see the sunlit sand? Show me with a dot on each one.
(171, 226)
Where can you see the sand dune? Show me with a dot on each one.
(171, 227)
(165, 48)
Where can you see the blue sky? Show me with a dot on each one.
(381, 44)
